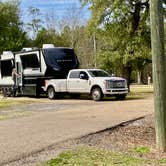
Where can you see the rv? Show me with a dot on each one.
(34, 66)
(53, 71)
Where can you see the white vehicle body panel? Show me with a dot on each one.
(78, 85)
(60, 85)
(6, 81)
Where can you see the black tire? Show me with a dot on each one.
(97, 94)
(37, 94)
(51, 93)
(120, 97)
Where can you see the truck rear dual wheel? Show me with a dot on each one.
(97, 94)
(51, 93)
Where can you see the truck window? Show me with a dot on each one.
(74, 74)
(6, 68)
(98, 73)
(84, 74)
(29, 61)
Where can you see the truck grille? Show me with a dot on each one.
(116, 84)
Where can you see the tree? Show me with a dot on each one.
(68, 31)
(45, 36)
(73, 34)
(72, 18)
(52, 20)
(35, 24)
(12, 37)
(124, 27)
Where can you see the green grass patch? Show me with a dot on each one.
(95, 157)
(8, 102)
(13, 115)
(10, 114)
(140, 91)
(142, 150)
(162, 161)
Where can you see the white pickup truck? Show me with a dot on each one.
(95, 82)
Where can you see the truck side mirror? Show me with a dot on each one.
(83, 76)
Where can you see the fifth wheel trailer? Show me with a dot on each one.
(34, 66)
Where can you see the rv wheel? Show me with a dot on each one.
(51, 93)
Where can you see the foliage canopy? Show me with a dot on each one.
(12, 37)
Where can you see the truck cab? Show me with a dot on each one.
(96, 82)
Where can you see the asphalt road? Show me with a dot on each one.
(50, 122)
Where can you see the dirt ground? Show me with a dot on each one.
(140, 133)
(119, 139)
(123, 138)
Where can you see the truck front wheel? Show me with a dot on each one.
(51, 93)
(97, 94)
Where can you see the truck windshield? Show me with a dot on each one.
(98, 73)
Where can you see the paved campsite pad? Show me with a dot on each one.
(46, 127)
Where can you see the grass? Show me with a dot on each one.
(140, 91)
(8, 102)
(12, 115)
(142, 150)
(96, 157)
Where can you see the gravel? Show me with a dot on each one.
(118, 139)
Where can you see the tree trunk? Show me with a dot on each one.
(159, 71)
(127, 75)
(139, 78)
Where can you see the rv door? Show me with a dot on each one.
(19, 80)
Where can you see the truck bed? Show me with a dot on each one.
(60, 85)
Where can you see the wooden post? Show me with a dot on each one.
(159, 71)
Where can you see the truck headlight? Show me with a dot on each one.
(108, 84)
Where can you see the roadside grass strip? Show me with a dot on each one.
(96, 157)
(140, 91)
(12, 115)
(7, 103)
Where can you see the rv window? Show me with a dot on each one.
(30, 61)
(6, 68)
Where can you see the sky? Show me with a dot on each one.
(58, 6)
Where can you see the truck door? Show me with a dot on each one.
(78, 82)
(72, 81)
(83, 82)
